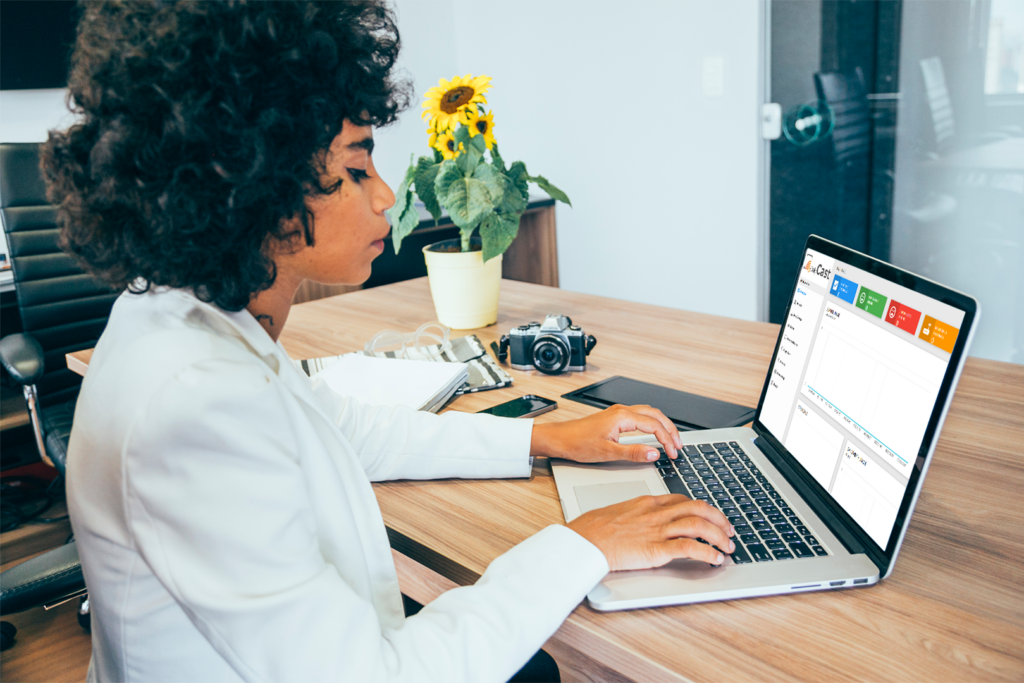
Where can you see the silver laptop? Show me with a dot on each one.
(822, 488)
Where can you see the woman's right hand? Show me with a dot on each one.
(650, 531)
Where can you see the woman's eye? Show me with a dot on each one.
(358, 174)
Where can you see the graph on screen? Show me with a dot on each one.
(873, 384)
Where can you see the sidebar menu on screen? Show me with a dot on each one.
(789, 364)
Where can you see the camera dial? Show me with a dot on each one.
(550, 354)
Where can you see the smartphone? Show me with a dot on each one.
(524, 406)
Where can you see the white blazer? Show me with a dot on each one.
(228, 530)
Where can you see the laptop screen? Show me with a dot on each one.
(854, 383)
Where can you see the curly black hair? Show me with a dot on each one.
(204, 127)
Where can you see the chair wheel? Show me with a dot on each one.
(7, 632)
(84, 617)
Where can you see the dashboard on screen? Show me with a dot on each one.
(854, 383)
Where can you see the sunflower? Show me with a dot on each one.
(481, 125)
(449, 102)
(446, 145)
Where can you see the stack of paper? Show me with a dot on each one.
(395, 381)
(484, 372)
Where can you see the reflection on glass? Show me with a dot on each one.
(958, 206)
(922, 159)
(1004, 59)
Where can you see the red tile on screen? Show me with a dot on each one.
(903, 317)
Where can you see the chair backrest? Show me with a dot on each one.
(939, 104)
(63, 307)
(847, 95)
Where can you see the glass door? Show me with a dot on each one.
(902, 136)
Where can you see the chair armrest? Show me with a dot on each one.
(42, 580)
(22, 357)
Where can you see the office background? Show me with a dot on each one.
(649, 116)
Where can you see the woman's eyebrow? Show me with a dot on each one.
(366, 143)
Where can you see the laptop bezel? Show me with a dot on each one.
(805, 482)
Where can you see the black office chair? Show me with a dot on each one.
(62, 310)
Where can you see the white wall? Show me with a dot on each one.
(605, 99)
(26, 115)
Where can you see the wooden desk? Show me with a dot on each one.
(952, 611)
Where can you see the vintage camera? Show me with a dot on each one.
(553, 346)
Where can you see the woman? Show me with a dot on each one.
(221, 501)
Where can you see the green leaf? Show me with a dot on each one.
(496, 159)
(403, 215)
(461, 135)
(520, 178)
(468, 159)
(467, 199)
(504, 193)
(478, 143)
(555, 193)
(426, 174)
(497, 232)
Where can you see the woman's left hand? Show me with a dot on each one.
(596, 438)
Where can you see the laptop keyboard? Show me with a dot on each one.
(723, 475)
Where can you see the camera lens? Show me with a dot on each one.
(550, 354)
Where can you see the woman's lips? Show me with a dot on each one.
(379, 244)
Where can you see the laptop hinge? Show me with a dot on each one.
(817, 503)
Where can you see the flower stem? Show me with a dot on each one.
(465, 240)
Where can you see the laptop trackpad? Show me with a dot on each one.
(594, 496)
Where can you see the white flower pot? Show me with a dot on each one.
(464, 288)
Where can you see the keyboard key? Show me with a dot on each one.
(775, 495)
(804, 531)
(771, 510)
(818, 550)
(721, 469)
(754, 471)
(721, 496)
(811, 540)
(795, 521)
(706, 448)
(748, 507)
(735, 519)
(759, 552)
(731, 510)
(755, 516)
(786, 511)
(774, 544)
(782, 554)
(801, 550)
(708, 479)
(740, 555)
(774, 519)
(742, 500)
(690, 450)
(760, 526)
(738, 451)
(791, 538)
(720, 444)
(784, 528)
(748, 538)
(675, 485)
(734, 444)
(768, 534)
(742, 527)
